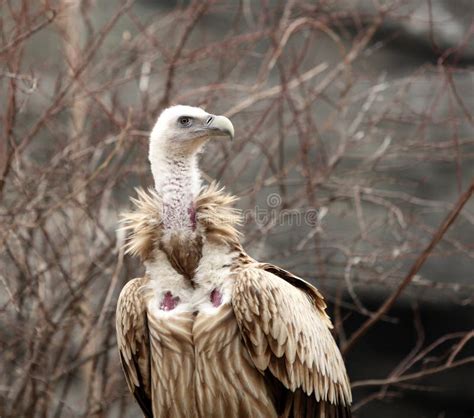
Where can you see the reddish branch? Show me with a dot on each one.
(414, 376)
(448, 221)
(50, 16)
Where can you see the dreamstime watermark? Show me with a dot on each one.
(273, 213)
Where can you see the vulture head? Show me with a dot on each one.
(175, 141)
(183, 130)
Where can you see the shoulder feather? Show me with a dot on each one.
(143, 225)
(217, 216)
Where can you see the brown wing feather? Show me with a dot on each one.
(133, 343)
(286, 330)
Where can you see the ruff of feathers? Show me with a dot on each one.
(216, 220)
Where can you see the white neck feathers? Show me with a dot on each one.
(177, 182)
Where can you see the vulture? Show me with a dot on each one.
(208, 331)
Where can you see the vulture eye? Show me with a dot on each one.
(185, 121)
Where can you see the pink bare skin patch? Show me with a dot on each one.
(192, 217)
(169, 302)
(216, 298)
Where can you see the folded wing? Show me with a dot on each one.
(286, 330)
(133, 343)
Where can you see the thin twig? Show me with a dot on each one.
(448, 221)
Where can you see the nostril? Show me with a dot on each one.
(209, 120)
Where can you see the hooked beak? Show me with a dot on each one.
(220, 126)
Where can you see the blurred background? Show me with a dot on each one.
(354, 142)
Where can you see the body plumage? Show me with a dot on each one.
(208, 331)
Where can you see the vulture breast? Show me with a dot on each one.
(199, 364)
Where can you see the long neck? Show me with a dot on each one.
(177, 181)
